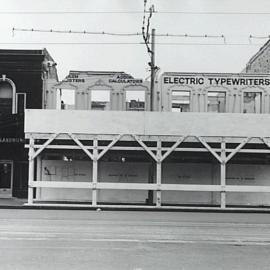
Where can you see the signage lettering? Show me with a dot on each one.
(11, 140)
(217, 81)
(125, 81)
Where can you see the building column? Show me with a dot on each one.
(95, 172)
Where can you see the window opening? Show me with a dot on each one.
(65, 99)
(180, 101)
(20, 102)
(252, 102)
(216, 102)
(100, 100)
(6, 95)
(135, 100)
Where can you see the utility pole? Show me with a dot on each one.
(153, 70)
(152, 91)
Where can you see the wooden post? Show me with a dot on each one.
(39, 173)
(223, 175)
(95, 172)
(31, 170)
(158, 173)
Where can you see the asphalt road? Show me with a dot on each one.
(66, 239)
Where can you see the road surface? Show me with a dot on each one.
(97, 240)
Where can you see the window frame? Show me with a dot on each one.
(180, 90)
(225, 103)
(261, 92)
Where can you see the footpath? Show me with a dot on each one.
(17, 203)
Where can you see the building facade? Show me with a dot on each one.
(205, 144)
(24, 78)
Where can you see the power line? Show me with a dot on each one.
(145, 35)
(132, 43)
(66, 12)
(130, 12)
(70, 43)
(211, 13)
(75, 32)
(259, 37)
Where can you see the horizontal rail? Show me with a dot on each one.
(61, 184)
(145, 186)
(127, 137)
(139, 148)
(127, 186)
(182, 187)
(234, 188)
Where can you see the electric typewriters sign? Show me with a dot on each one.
(217, 81)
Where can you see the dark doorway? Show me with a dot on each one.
(5, 178)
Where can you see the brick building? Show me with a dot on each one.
(25, 76)
(260, 62)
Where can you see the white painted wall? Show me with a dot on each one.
(147, 123)
(187, 173)
(123, 173)
(78, 171)
(252, 175)
(81, 171)
(182, 173)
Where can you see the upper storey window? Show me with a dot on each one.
(101, 100)
(180, 101)
(252, 102)
(6, 98)
(216, 102)
(65, 99)
(135, 100)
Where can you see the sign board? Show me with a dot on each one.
(216, 80)
(85, 80)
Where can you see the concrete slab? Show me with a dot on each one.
(12, 202)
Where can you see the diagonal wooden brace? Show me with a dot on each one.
(177, 143)
(36, 153)
(109, 146)
(208, 147)
(266, 141)
(75, 139)
(145, 147)
(236, 150)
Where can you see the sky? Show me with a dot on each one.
(133, 58)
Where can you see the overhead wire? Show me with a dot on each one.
(73, 32)
(132, 12)
(132, 43)
(144, 33)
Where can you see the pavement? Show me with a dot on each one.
(12, 202)
(132, 240)
(18, 203)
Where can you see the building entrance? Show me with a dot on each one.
(6, 169)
